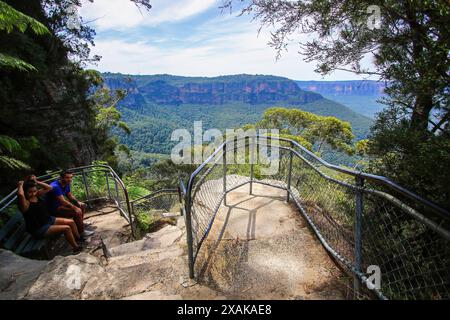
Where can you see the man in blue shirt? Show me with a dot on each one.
(62, 203)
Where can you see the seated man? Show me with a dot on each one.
(62, 203)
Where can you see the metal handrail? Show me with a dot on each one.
(357, 174)
(376, 178)
(151, 195)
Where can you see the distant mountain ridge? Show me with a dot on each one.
(342, 88)
(177, 90)
(158, 104)
(361, 96)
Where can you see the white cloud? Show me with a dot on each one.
(123, 14)
(222, 45)
(246, 54)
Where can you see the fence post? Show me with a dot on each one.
(107, 185)
(86, 188)
(224, 174)
(357, 231)
(252, 160)
(117, 191)
(187, 202)
(289, 174)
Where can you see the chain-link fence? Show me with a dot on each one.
(153, 210)
(413, 256)
(207, 189)
(394, 243)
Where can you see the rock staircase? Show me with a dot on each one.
(154, 267)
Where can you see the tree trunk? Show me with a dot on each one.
(421, 112)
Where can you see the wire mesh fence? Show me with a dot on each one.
(329, 205)
(150, 211)
(208, 190)
(360, 225)
(414, 260)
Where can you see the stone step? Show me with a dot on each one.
(170, 214)
(163, 238)
(17, 274)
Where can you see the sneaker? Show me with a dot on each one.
(87, 233)
(88, 226)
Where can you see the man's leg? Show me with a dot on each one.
(77, 215)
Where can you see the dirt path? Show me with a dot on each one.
(260, 248)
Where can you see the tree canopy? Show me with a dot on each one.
(408, 42)
(314, 130)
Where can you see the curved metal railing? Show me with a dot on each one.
(91, 183)
(362, 220)
(158, 203)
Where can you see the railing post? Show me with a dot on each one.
(224, 174)
(187, 202)
(117, 191)
(107, 185)
(86, 188)
(357, 231)
(252, 160)
(182, 197)
(289, 175)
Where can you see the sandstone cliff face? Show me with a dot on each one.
(342, 88)
(215, 91)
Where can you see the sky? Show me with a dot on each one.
(189, 38)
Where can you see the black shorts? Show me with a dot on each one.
(40, 233)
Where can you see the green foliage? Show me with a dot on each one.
(98, 187)
(150, 222)
(135, 192)
(14, 154)
(362, 147)
(152, 122)
(7, 61)
(409, 44)
(11, 19)
(107, 117)
(316, 130)
(105, 103)
(152, 128)
(417, 162)
(48, 105)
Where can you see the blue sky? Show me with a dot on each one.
(190, 38)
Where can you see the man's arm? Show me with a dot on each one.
(66, 203)
(72, 197)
